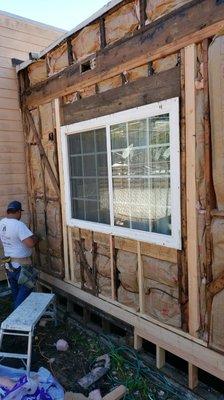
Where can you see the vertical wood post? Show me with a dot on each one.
(192, 376)
(192, 240)
(112, 266)
(62, 189)
(140, 280)
(160, 357)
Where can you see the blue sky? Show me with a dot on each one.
(65, 14)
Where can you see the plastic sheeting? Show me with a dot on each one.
(37, 72)
(57, 60)
(122, 22)
(216, 92)
(157, 8)
(40, 386)
(86, 42)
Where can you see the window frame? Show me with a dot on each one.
(169, 106)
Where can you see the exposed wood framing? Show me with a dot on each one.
(62, 191)
(192, 243)
(189, 24)
(143, 91)
(42, 151)
(140, 280)
(103, 42)
(183, 347)
(182, 256)
(143, 15)
(160, 357)
(69, 274)
(112, 265)
(192, 376)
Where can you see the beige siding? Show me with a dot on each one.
(18, 37)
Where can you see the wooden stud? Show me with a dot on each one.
(140, 280)
(160, 357)
(62, 188)
(137, 342)
(70, 271)
(70, 51)
(103, 42)
(192, 242)
(143, 16)
(112, 266)
(42, 151)
(192, 376)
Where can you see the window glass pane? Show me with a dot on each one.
(89, 165)
(91, 211)
(159, 130)
(119, 163)
(89, 195)
(87, 142)
(77, 187)
(76, 166)
(102, 169)
(160, 205)
(104, 213)
(74, 144)
(139, 162)
(78, 209)
(101, 142)
(137, 133)
(121, 202)
(90, 188)
(139, 200)
(118, 136)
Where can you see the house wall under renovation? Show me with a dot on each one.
(124, 156)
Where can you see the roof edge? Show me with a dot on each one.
(107, 7)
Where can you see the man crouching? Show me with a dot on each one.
(17, 242)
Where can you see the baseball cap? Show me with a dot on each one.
(15, 206)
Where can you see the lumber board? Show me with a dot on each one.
(189, 24)
(192, 376)
(160, 357)
(62, 191)
(191, 191)
(143, 91)
(183, 346)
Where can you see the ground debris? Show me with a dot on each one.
(100, 368)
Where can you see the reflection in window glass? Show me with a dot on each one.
(141, 174)
(89, 176)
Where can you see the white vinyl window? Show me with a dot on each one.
(122, 173)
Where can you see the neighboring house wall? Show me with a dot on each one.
(18, 37)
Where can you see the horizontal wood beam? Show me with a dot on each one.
(185, 348)
(143, 91)
(191, 23)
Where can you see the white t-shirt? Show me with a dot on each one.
(12, 233)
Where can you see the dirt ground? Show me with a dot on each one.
(84, 347)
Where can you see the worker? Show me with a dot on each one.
(18, 241)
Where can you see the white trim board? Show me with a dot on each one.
(170, 106)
